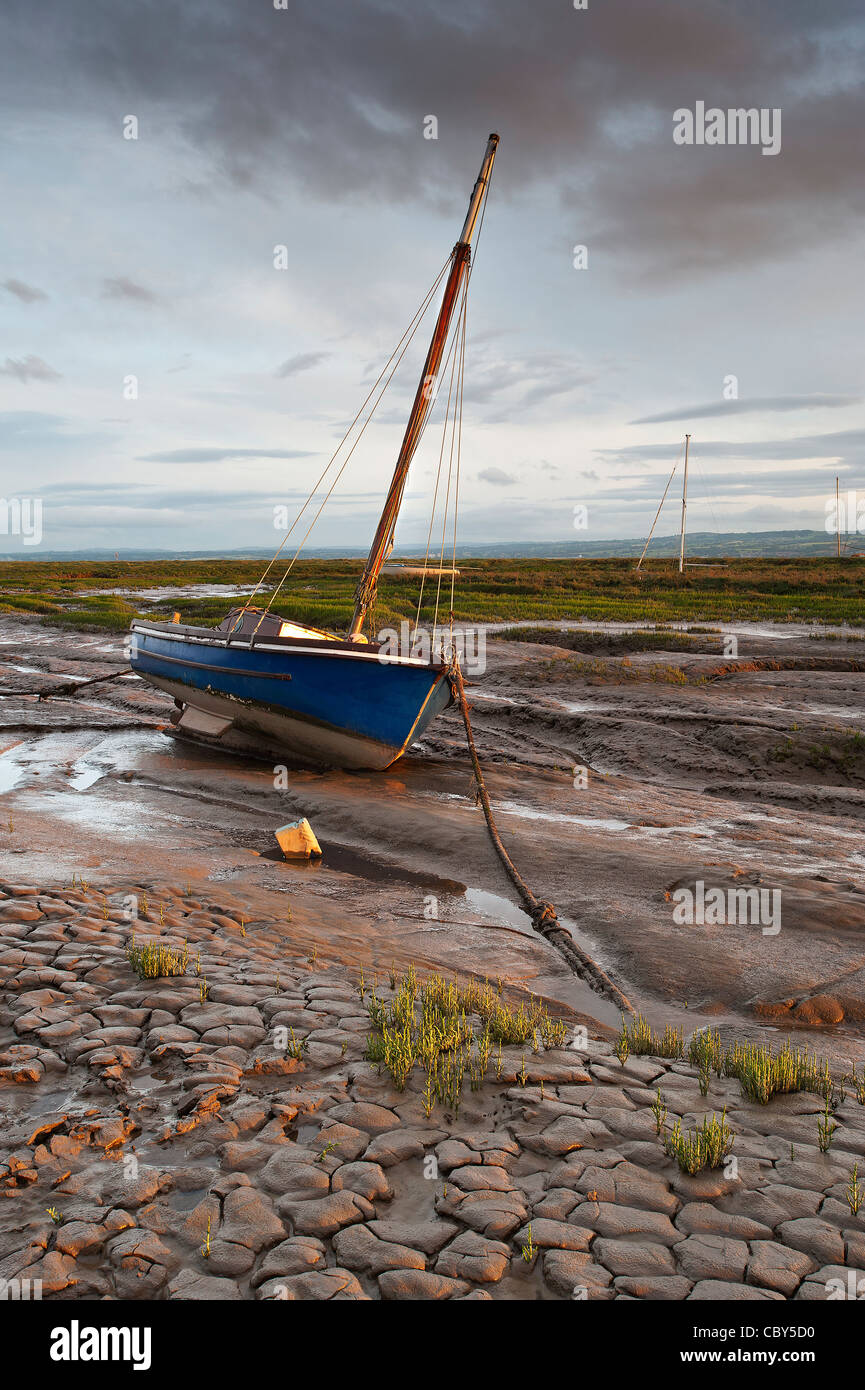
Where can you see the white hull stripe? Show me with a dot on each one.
(326, 649)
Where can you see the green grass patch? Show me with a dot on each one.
(154, 960)
(451, 1030)
(707, 1146)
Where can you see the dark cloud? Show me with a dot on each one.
(120, 287)
(29, 369)
(218, 454)
(334, 97)
(755, 405)
(302, 362)
(28, 294)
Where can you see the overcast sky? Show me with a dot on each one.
(153, 258)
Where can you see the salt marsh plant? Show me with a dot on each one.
(854, 1191)
(706, 1051)
(763, 1073)
(154, 959)
(707, 1146)
(643, 1041)
(826, 1128)
(858, 1084)
(659, 1110)
(296, 1047)
(449, 1029)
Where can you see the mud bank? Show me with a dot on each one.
(218, 1135)
(614, 792)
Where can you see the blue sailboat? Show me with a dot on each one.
(326, 699)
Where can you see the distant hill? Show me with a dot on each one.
(742, 544)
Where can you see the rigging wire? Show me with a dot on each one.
(451, 354)
(406, 338)
(457, 425)
(345, 462)
(450, 476)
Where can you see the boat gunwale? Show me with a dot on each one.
(300, 646)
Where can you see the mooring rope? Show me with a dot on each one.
(70, 687)
(543, 915)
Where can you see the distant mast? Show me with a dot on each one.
(838, 514)
(424, 397)
(684, 507)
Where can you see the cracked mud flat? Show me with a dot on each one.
(683, 785)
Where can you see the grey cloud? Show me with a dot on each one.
(753, 405)
(28, 294)
(301, 362)
(497, 476)
(29, 369)
(848, 445)
(120, 287)
(217, 454)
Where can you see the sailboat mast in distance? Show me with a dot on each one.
(684, 506)
(423, 400)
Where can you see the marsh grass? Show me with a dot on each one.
(763, 1073)
(501, 589)
(707, 1146)
(644, 1042)
(449, 1029)
(854, 1191)
(154, 960)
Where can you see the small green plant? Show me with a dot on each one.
(858, 1083)
(659, 1110)
(296, 1047)
(854, 1191)
(826, 1128)
(154, 960)
(205, 1249)
(328, 1149)
(707, 1146)
(529, 1249)
(623, 1044)
(56, 1216)
(203, 989)
(705, 1052)
(643, 1041)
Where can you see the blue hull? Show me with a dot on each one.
(322, 701)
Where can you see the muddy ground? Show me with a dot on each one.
(752, 780)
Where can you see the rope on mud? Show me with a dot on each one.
(70, 687)
(543, 914)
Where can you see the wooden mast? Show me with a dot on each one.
(684, 506)
(424, 397)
